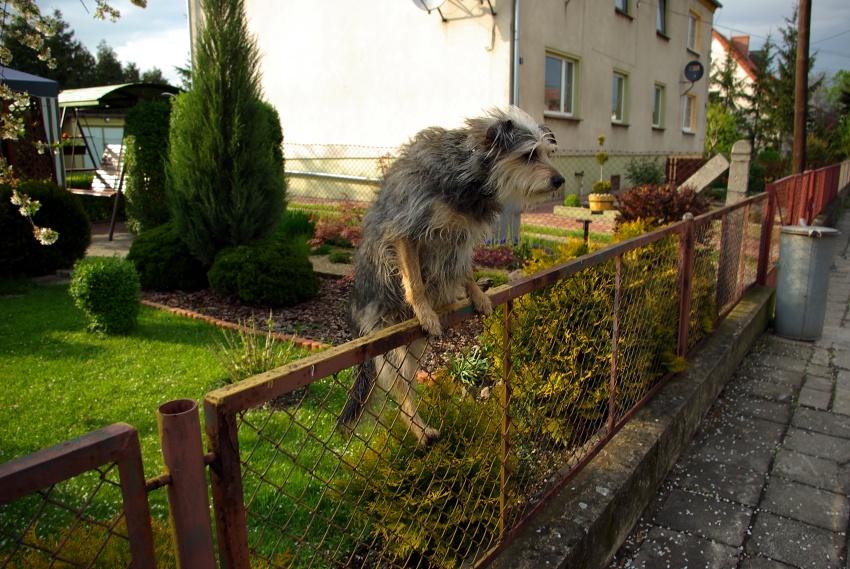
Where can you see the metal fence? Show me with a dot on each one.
(803, 196)
(522, 399)
(319, 173)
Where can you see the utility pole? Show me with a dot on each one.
(801, 86)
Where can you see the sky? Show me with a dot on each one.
(158, 36)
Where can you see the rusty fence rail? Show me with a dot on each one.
(523, 398)
(803, 196)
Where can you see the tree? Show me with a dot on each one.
(730, 89)
(69, 64)
(721, 129)
(154, 76)
(226, 185)
(759, 113)
(108, 70)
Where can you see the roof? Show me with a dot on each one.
(114, 96)
(744, 61)
(24, 82)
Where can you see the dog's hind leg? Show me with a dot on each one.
(399, 375)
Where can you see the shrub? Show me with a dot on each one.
(107, 289)
(164, 262)
(496, 257)
(20, 252)
(100, 208)
(601, 187)
(265, 273)
(293, 225)
(660, 205)
(339, 256)
(497, 278)
(645, 171)
(79, 180)
(225, 171)
(146, 130)
(572, 200)
(442, 502)
(341, 230)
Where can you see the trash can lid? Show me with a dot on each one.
(809, 230)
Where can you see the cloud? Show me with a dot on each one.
(163, 49)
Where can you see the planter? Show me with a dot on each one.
(600, 202)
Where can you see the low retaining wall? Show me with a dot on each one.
(584, 526)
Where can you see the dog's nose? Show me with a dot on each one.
(557, 181)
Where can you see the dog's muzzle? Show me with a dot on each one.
(557, 181)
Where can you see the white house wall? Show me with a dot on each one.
(374, 72)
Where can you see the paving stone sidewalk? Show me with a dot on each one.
(765, 482)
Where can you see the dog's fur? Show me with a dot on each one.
(437, 202)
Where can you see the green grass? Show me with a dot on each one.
(570, 233)
(61, 381)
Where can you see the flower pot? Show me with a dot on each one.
(600, 202)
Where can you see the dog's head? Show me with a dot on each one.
(518, 152)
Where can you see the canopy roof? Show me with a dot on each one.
(114, 96)
(24, 82)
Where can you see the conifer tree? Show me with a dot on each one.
(226, 185)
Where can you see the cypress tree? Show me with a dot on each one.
(225, 170)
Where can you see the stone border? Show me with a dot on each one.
(312, 345)
(587, 522)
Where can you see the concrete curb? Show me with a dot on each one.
(584, 525)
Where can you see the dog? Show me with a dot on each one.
(436, 203)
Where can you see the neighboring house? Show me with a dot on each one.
(746, 69)
(374, 72)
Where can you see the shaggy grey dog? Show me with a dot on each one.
(437, 202)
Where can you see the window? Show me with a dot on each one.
(694, 30)
(560, 85)
(661, 17)
(622, 5)
(689, 114)
(658, 101)
(619, 100)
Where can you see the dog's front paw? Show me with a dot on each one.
(429, 437)
(482, 304)
(430, 322)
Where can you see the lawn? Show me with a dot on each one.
(60, 381)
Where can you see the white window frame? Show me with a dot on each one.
(619, 98)
(689, 114)
(661, 17)
(694, 31)
(567, 102)
(659, 102)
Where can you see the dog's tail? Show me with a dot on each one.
(364, 381)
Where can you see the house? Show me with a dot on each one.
(745, 66)
(347, 75)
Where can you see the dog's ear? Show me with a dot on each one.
(499, 135)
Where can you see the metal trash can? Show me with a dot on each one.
(805, 257)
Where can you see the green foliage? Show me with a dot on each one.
(339, 256)
(471, 367)
(572, 200)
(249, 351)
(645, 171)
(441, 502)
(225, 170)
(164, 262)
(79, 180)
(497, 277)
(20, 252)
(601, 187)
(146, 139)
(722, 130)
(294, 224)
(266, 273)
(107, 290)
(660, 205)
(100, 208)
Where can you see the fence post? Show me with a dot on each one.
(766, 236)
(615, 346)
(507, 364)
(739, 172)
(188, 502)
(685, 284)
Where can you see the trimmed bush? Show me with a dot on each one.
(147, 151)
(660, 205)
(293, 225)
(107, 289)
(265, 273)
(164, 262)
(20, 253)
(572, 200)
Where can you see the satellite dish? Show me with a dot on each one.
(694, 71)
(428, 5)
